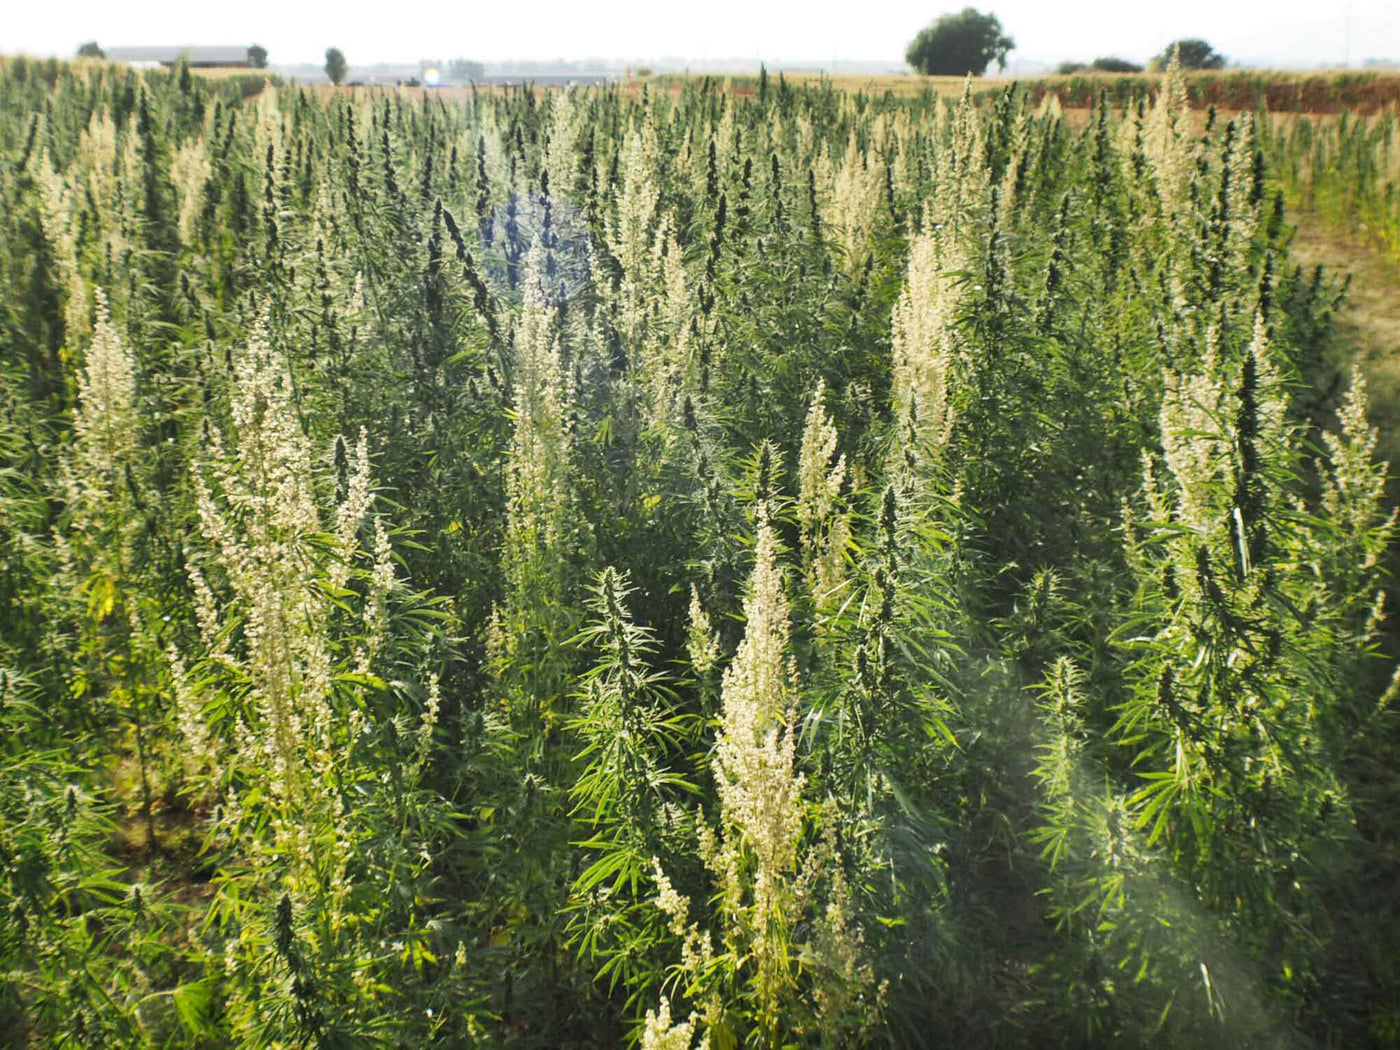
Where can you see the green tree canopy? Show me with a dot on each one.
(1107, 64)
(335, 65)
(1111, 64)
(91, 50)
(1195, 54)
(257, 56)
(959, 44)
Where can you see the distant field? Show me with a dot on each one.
(232, 72)
(1322, 92)
(903, 85)
(1329, 91)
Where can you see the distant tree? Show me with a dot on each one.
(1116, 65)
(257, 56)
(91, 50)
(1195, 54)
(1067, 68)
(465, 69)
(959, 44)
(335, 65)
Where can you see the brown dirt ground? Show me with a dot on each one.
(1369, 323)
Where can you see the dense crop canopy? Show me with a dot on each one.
(768, 569)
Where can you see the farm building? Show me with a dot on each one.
(198, 57)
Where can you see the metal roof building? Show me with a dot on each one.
(220, 55)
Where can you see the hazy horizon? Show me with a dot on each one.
(1286, 33)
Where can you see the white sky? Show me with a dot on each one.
(1279, 32)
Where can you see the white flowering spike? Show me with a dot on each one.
(352, 510)
(1199, 433)
(629, 235)
(1194, 448)
(676, 906)
(540, 451)
(561, 150)
(56, 219)
(660, 1034)
(1171, 150)
(1244, 212)
(1353, 486)
(922, 335)
(105, 422)
(701, 642)
(759, 788)
(258, 509)
(431, 711)
(825, 531)
(857, 196)
(189, 171)
(381, 582)
(819, 481)
(961, 178)
(666, 345)
(200, 749)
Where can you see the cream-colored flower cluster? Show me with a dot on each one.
(1195, 449)
(765, 892)
(189, 171)
(1200, 439)
(259, 512)
(199, 749)
(1345, 564)
(1021, 172)
(1353, 490)
(540, 454)
(961, 178)
(97, 479)
(759, 788)
(701, 642)
(762, 812)
(923, 332)
(826, 530)
(726, 139)
(1170, 147)
(844, 991)
(665, 343)
(629, 236)
(1243, 211)
(561, 154)
(269, 125)
(431, 712)
(660, 1034)
(857, 197)
(107, 418)
(56, 219)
